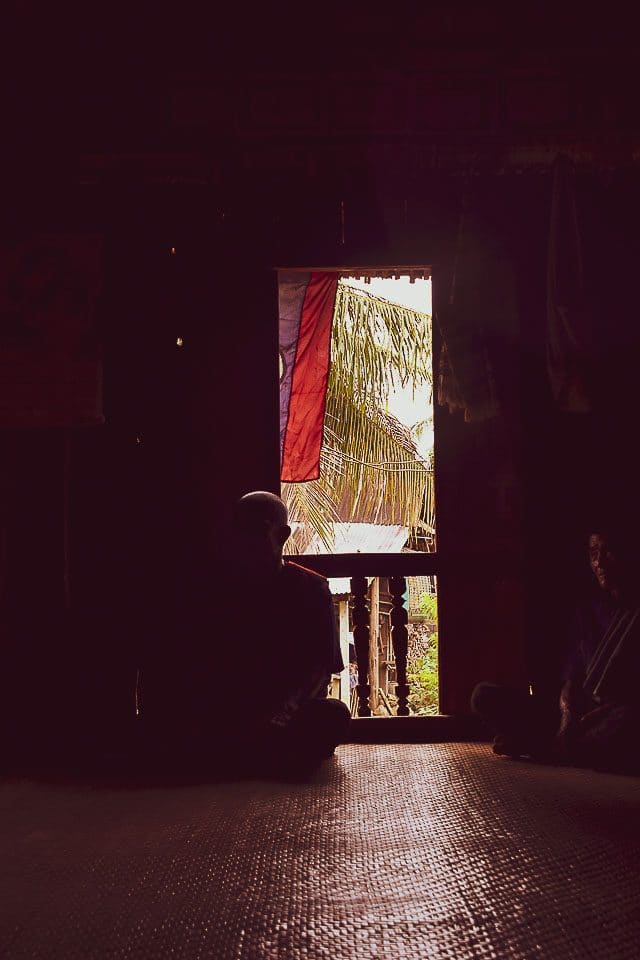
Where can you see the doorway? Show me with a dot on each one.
(374, 492)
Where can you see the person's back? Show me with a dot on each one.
(287, 639)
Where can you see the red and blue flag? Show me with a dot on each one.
(306, 305)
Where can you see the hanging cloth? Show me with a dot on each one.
(569, 316)
(306, 306)
(466, 379)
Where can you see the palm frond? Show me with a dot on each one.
(382, 478)
(312, 507)
(377, 345)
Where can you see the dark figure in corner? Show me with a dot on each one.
(600, 698)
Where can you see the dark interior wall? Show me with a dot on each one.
(189, 429)
(560, 473)
(482, 470)
(242, 171)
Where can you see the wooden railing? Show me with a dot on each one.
(358, 567)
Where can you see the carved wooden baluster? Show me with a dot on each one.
(400, 640)
(361, 642)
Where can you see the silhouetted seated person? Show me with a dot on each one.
(248, 691)
(281, 649)
(600, 698)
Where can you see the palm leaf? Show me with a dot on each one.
(312, 508)
(382, 478)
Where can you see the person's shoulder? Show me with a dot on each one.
(305, 580)
(304, 573)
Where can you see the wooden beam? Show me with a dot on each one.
(420, 271)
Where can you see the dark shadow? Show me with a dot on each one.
(126, 773)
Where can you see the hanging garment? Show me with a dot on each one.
(306, 305)
(569, 319)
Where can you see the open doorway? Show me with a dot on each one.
(374, 492)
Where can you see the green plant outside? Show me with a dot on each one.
(422, 672)
(422, 676)
(429, 607)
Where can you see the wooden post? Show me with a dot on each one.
(66, 518)
(374, 645)
(361, 641)
(400, 639)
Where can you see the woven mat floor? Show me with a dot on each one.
(428, 852)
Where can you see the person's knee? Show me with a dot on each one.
(611, 744)
(328, 712)
(341, 717)
(337, 708)
(483, 699)
(324, 720)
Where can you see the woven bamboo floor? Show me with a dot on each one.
(428, 852)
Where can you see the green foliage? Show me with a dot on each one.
(422, 675)
(429, 607)
(422, 672)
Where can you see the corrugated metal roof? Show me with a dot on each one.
(363, 538)
(339, 585)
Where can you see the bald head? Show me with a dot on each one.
(260, 521)
(261, 506)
